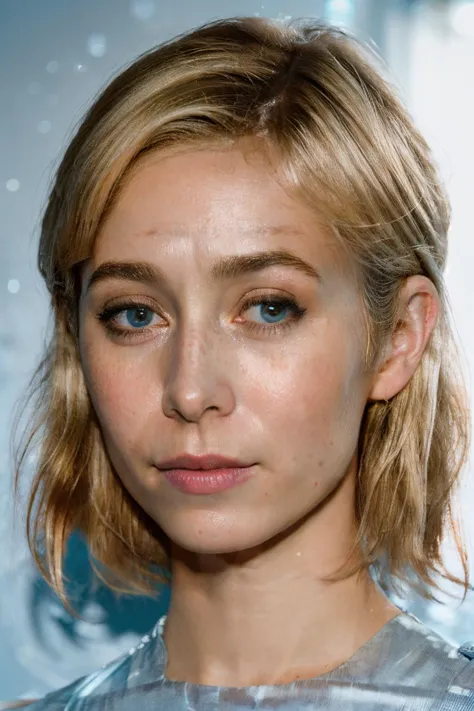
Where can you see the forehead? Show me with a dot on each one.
(211, 203)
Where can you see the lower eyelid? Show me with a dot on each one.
(110, 315)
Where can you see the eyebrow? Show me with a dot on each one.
(224, 269)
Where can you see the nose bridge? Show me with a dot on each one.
(193, 347)
(195, 380)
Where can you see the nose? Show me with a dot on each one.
(198, 377)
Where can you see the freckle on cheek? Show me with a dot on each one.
(320, 463)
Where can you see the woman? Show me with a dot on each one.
(252, 381)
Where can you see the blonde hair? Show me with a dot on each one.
(343, 142)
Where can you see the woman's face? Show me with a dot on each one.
(262, 362)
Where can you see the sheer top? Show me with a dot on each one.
(404, 666)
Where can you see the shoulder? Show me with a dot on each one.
(429, 660)
(141, 664)
(460, 692)
(88, 686)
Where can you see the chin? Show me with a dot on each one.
(214, 540)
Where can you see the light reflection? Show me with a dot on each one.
(52, 67)
(13, 286)
(142, 9)
(97, 45)
(12, 185)
(44, 127)
(462, 19)
(340, 12)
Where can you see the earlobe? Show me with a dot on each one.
(418, 315)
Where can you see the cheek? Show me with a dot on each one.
(120, 392)
(303, 387)
(310, 400)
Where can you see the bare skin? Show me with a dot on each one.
(207, 373)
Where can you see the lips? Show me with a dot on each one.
(203, 462)
(205, 474)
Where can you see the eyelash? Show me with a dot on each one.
(108, 315)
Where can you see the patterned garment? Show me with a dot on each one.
(404, 666)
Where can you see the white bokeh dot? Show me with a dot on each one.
(44, 127)
(143, 9)
(13, 286)
(53, 99)
(52, 67)
(462, 18)
(80, 68)
(97, 45)
(12, 185)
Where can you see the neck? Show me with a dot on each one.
(268, 615)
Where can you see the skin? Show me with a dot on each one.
(203, 379)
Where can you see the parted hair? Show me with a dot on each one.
(341, 140)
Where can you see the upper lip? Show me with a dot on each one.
(204, 461)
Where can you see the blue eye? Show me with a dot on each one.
(277, 313)
(142, 319)
(282, 311)
(137, 318)
(273, 310)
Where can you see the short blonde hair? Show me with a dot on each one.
(343, 142)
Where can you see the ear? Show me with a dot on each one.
(419, 307)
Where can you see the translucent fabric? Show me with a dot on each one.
(404, 666)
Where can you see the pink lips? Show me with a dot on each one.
(207, 474)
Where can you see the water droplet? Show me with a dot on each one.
(142, 9)
(12, 185)
(52, 67)
(34, 88)
(13, 286)
(97, 45)
(44, 127)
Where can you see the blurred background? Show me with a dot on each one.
(55, 55)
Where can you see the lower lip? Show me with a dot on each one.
(212, 481)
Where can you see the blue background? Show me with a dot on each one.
(55, 55)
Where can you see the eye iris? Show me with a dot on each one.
(275, 309)
(140, 316)
(141, 320)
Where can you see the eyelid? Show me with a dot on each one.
(107, 315)
(122, 301)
